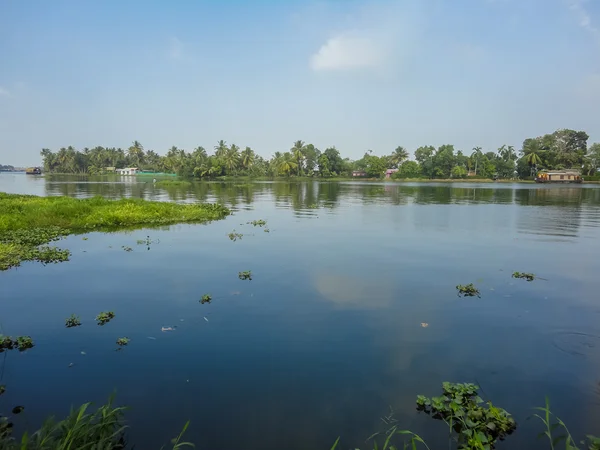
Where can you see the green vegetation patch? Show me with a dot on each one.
(206, 298)
(72, 321)
(476, 424)
(235, 236)
(28, 223)
(122, 342)
(246, 275)
(468, 290)
(524, 276)
(105, 317)
(21, 343)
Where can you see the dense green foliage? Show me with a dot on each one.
(476, 424)
(559, 150)
(28, 222)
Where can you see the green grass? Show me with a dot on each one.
(28, 222)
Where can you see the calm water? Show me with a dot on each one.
(327, 336)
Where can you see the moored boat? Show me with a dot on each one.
(33, 171)
(559, 176)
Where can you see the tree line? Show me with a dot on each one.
(563, 149)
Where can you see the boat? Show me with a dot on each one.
(559, 176)
(33, 171)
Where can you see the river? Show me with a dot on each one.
(351, 310)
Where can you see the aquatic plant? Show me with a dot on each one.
(21, 343)
(72, 321)
(206, 298)
(235, 236)
(468, 290)
(257, 223)
(147, 242)
(266, 230)
(127, 249)
(121, 342)
(476, 424)
(105, 317)
(28, 222)
(593, 442)
(2, 389)
(525, 276)
(103, 428)
(246, 275)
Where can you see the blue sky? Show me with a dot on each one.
(356, 74)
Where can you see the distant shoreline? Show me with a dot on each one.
(328, 180)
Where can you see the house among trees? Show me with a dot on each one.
(390, 172)
(359, 173)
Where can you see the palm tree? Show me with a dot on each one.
(136, 153)
(398, 156)
(297, 152)
(232, 158)
(221, 148)
(248, 157)
(533, 160)
(287, 164)
(477, 153)
(507, 153)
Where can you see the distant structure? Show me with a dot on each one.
(359, 173)
(559, 176)
(33, 171)
(128, 171)
(389, 173)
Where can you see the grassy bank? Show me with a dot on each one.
(28, 223)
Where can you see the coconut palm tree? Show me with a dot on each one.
(398, 157)
(221, 148)
(231, 159)
(297, 152)
(136, 153)
(247, 158)
(287, 164)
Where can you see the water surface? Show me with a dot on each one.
(328, 335)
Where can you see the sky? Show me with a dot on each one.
(357, 74)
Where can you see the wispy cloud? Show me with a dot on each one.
(348, 52)
(175, 48)
(584, 18)
(375, 35)
(4, 92)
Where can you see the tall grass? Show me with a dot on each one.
(102, 429)
(27, 222)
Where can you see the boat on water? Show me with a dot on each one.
(33, 171)
(559, 176)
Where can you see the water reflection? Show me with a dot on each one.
(328, 334)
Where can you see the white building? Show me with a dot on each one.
(128, 171)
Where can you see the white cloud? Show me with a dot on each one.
(373, 35)
(348, 52)
(175, 48)
(584, 18)
(4, 92)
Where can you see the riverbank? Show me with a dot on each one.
(28, 223)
